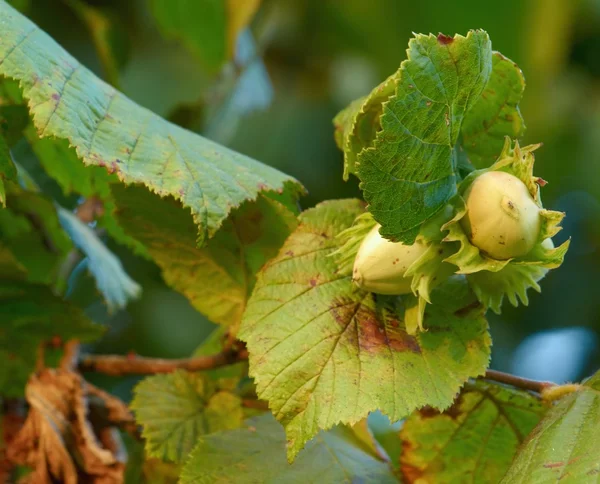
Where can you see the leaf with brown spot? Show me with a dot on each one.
(565, 445)
(328, 352)
(472, 441)
(58, 440)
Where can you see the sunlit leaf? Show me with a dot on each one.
(475, 440)
(496, 113)
(408, 174)
(176, 409)
(67, 101)
(217, 279)
(564, 446)
(320, 348)
(256, 453)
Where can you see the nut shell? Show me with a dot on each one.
(380, 265)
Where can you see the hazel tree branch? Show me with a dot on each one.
(518, 382)
(118, 365)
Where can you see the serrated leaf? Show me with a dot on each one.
(29, 227)
(357, 125)
(256, 453)
(60, 162)
(320, 348)
(177, 408)
(116, 287)
(408, 174)
(473, 441)
(564, 446)
(30, 314)
(496, 113)
(217, 279)
(209, 29)
(107, 129)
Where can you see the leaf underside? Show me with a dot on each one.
(256, 453)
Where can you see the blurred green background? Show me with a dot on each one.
(298, 64)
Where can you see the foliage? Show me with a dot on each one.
(306, 376)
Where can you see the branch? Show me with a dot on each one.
(517, 381)
(118, 365)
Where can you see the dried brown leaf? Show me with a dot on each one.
(62, 439)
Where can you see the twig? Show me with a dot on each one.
(517, 381)
(255, 404)
(118, 365)
(70, 355)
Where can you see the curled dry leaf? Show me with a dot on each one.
(69, 434)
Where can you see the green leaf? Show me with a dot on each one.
(209, 28)
(107, 129)
(176, 409)
(496, 113)
(29, 315)
(473, 441)
(108, 34)
(29, 227)
(357, 125)
(408, 174)
(112, 281)
(7, 169)
(564, 446)
(60, 162)
(217, 279)
(257, 454)
(320, 348)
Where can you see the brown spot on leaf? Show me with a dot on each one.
(553, 465)
(410, 473)
(290, 253)
(541, 182)
(444, 39)
(373, 337)
(313, 282)
(56, 96)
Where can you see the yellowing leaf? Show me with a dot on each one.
(475, 440)
(218, 278)
(564, 446)
(176, 409)
(321, 349)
